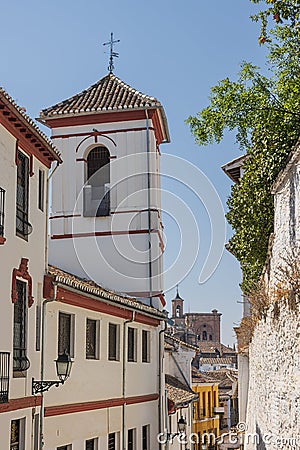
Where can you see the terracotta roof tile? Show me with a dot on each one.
(9, 101)
(178, 342)
(108, 94)
(178, 392)
(90, 287)
(214, 361)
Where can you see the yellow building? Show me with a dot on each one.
(206, 426)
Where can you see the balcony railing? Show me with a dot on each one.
(96, 201)
(4, 376)
(2, 206)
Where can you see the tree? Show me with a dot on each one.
(280, 12)
(265, 114)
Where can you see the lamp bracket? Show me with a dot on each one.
(43, 386)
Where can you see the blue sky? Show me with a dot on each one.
(172, 50)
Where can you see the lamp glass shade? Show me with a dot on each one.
(63, 366)
(181, 424)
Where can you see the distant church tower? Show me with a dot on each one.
(177, 310)
(106, 204)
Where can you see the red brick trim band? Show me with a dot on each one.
(100, 404)
(20, 403)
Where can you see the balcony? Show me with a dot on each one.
(96, 201)
(4, 376)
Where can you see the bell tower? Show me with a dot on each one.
(177, 310)
(106, 207)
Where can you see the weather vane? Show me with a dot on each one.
(112, 53)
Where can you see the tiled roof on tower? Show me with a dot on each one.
(108, 94)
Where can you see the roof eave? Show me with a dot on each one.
(25, 119)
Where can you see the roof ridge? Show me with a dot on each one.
(103, 98)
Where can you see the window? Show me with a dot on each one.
(17, 434)
(131, 349)
(36, 428)
(178, 314)
(203, 404)
(145, 437)
(65, 447)
(41, 190)
(145, 346)
(23, 227)
(96, 191)
(209, 405)
(20, 360)
(91, 444)
(2, 206)
(204, 336)
(4, 376)
(66, 334)
(112, 441)
(131, 439)
(92, 333)
(113, 342)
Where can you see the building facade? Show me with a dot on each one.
(180, 396)
(26, 156)
(206, 422)
(113, 397)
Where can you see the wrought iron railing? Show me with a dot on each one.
(2, 206)
(23, 227)
(4, 376)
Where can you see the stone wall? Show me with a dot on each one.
(273, 410)
(274, 388)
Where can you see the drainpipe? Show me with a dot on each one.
(47, 216)
(124, 377)
(160, 376)
(149, 207)
(42, 410)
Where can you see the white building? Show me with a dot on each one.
(26, 155)
(106, 216)
(113, 397)
(179, 394)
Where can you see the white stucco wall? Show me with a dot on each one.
(100, 379)
(116, 260)
(11, 253)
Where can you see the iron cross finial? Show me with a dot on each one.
(112, 53)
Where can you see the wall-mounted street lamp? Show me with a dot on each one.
(181, 424)
(63, 370)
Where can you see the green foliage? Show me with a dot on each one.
(276, 12)
(265, 115)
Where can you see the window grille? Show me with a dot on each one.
(91, 339)
(91, 444)
(145, 437)
(113, 351)
(4, 376)
(64, 334)
(96, 192)
(23, 227)
(112, 441)
(20, 360)
(145, 346)
(131, 350)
